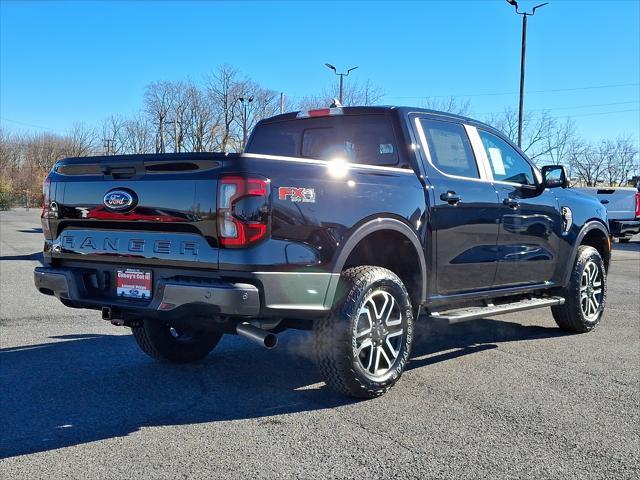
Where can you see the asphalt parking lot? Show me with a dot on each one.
(504, 397)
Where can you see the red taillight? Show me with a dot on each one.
(233, 231)
(46, 202)
(638, 205)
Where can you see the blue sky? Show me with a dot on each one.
(66, 62)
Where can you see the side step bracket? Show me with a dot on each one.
(473, 313)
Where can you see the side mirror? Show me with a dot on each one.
(554, 176)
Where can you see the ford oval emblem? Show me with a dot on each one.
(119, 199)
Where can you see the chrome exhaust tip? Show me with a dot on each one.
(257, 335)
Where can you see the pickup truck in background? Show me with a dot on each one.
(351, 222)
(623, 209)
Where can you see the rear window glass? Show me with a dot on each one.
(366, 139)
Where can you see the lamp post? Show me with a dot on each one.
(245, 103)
(522, 60)
(341, 75)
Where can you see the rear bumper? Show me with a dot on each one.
(624, 228)
(172, 298)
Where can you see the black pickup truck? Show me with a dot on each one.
(351, 222)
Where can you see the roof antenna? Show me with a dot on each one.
(336, 104)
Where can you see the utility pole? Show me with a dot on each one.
(341, 75)
(108, 146)
(281, 102)
(522, 61)
(245, 121)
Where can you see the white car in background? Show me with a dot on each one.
(623, 209)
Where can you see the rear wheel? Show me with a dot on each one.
(363, 346)
(586, 294)
(176, 344)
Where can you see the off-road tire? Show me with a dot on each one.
(335, 334)
(570, 316)
(155, 338)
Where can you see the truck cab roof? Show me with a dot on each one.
(378, 109)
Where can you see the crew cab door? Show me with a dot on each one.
(465, 209)
(530, 225)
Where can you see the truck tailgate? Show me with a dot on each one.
(620, 202)
(136, 209)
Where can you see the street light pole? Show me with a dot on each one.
(522, 61)
(341, 75)
(245, 121)
(522, 64)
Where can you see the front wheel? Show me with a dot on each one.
(586, 294)
(176, 344)
(363, 346)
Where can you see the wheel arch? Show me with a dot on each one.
(595, 234)
(370, 231)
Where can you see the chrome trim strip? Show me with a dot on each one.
(293, 306)
(295, 273)
(327, 162)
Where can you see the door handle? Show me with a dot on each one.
(452, 198)
(511, 202)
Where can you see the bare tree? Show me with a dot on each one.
(558, 141)
(83, 141)
(544, 138)
(620, 157)
(587, 162)
(157, 101)
(224, 89)
(354, 93)
(137, 135)
(177, 117)
(112, 130)
(257, 103)
(10, 152)
(200, 124)
(450, 104)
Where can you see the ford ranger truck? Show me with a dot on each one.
(351, 222)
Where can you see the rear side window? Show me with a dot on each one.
(365, 139)
(450, 148)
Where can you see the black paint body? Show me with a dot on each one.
(473, 249)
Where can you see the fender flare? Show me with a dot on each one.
(586, 228)
(367, 228)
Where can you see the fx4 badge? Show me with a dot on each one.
(297, 194)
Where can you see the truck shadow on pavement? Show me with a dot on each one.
(83, 388)
(37, 256)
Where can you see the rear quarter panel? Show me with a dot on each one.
(307, 236)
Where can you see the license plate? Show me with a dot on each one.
(134, 283)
